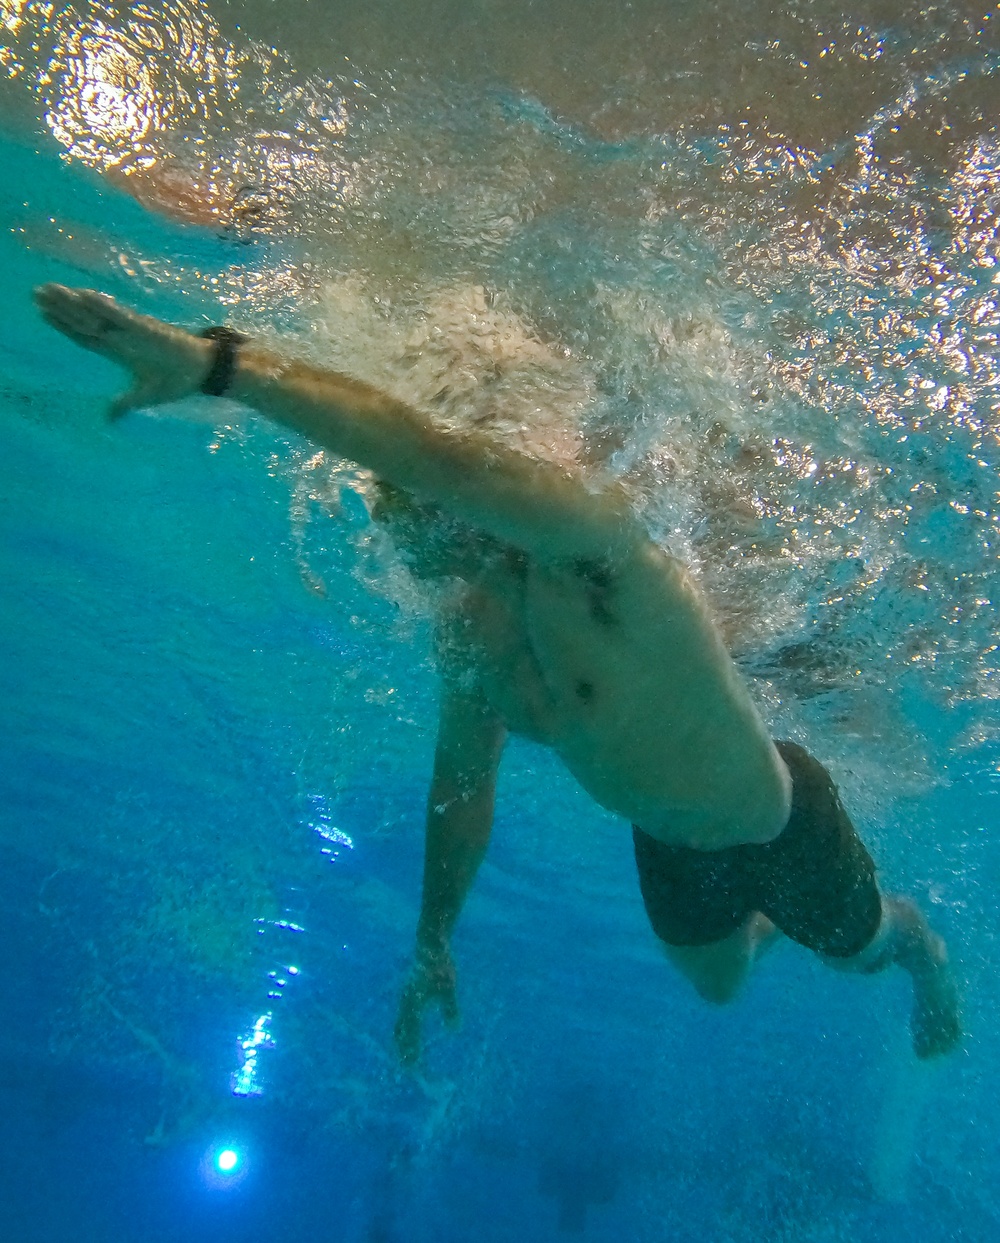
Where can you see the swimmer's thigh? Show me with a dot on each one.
(816, 881)
(693, 898)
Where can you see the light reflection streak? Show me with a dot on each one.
(110, 85)
(159, 98)
(326, 830)
(12, 14)
(245, 1080)
(107, 100)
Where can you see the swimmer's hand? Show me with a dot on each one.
(165, 363)
(431, 982)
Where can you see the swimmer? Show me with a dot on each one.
(572, 628)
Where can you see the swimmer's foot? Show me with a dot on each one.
(165, 362)
(936, 1021)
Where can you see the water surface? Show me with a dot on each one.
(755, 254)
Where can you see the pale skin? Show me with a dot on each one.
(572, 628)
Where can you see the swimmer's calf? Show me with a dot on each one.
(906, 939)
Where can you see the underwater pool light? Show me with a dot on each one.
(227, 1161)
(226, 1164)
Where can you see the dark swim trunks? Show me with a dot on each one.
(815, 880)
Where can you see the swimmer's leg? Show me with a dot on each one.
(718, 970)
(906, 939)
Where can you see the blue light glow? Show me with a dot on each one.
(226, 1164)
(227, 1160)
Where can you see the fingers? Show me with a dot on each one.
(417, 996)
(79, 312)
(88, 318)
(75, 304)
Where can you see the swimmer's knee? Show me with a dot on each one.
(878, 953)
(719, 990)
(716, 972)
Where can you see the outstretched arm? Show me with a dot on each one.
(542, 506)
(459, 820)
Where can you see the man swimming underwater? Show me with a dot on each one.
(574, 629)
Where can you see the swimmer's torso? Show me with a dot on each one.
(621, 671)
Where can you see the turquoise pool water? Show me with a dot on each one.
(762, 250)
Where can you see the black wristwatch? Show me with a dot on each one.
(220, 374)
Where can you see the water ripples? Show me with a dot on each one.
(762, 270)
